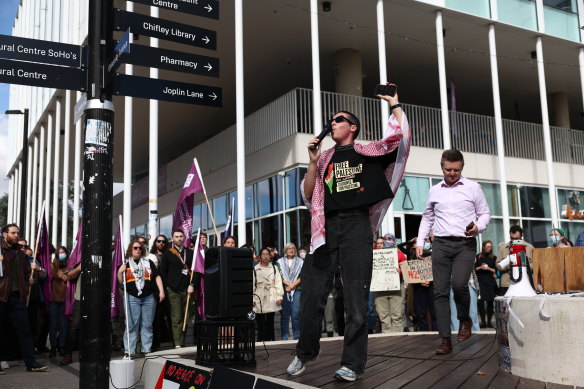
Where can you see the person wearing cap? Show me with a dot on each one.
(557, 238)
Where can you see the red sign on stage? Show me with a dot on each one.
(178, 376)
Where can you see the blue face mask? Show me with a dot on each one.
(62, 256)
(553, 240)
(427, 246)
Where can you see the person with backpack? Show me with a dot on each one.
(268, 292)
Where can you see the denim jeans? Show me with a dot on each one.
(348, 246)
(290, 310)
(140, 317)
(452, 264)
(59, 325)
(472, 310)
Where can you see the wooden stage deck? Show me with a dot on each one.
(402, 361)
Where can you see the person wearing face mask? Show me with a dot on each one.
(486, 273)
(58, 323)
(557, 238)
(302, 252)
(515, 234)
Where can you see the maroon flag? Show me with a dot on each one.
(199, 267)
(183, 215)
(43, 255)
(117, 259)
(71, 286)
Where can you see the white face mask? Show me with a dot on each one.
(302, 254)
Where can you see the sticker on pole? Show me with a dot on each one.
(97, 132)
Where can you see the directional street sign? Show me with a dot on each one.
(180, 92)
(123, 47)
(47, 76)
(34, 50)
(173, 60)
(165, 29)
(205, 8)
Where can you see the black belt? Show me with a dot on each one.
(454, 238)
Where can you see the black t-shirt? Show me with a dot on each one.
(149, 279)
(353, 181)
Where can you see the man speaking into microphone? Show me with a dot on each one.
(347, 189)
(457, 211)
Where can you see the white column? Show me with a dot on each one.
(388, 220)
(18, 199)
(50, 130)
(35, 172)
(499, 127)
(41, 170)
(540, 16)
(547, 141)
(494, 10)
(10, 215)
(56, 172)
(128, 123)
(77, 173)
(66, 146)
(442, 80)
(16, 195)
(239, 122)
(316, 98)
(153, 154)
(580, 5)
(28, 205)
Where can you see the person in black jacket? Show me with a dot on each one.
(175, 266)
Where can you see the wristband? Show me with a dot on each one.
(398, 105)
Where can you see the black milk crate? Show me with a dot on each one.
(227, 343)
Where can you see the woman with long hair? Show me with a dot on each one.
(267, 295)
(486, 273)
(58, 324)
(290, 266)
(140, 276)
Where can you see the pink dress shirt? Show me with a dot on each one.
(451, 208)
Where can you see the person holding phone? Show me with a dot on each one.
(457, 211)
(347, 189)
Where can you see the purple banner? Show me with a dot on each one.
(183, 215)
(74, 259)
(43, 255)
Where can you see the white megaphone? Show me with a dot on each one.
(517, 261)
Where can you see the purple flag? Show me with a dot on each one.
(199, 267)
(116, 304)
(71, 286)
(43, 255)
(229, 224)
(183, 215)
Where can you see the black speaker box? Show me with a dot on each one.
(228, 283)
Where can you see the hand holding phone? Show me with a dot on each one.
(385, 90)
(471, 229)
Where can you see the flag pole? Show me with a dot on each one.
(192, 273)
(125, 293)
(206, 198)
(36, 247)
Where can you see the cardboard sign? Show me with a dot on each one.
(385, 271)
(177, 376)
(417, 270)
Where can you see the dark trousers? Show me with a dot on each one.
(59, 325)
(73, 335)
(489, 312)
(16, 310)
(265, 322)
(452, 264)
(424, 306)
(348, 246)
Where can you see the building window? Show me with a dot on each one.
(220, 210)
(536, 232)
(535, 202)
(520, 13)
(271, 231)
(292, 185)
(412, 194)
(564, 5)
(569, 202)
(268, 198)
(165, 226)
(475, 7)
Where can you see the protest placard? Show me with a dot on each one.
(417, 270)
(385, 271)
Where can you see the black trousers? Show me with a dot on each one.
(73, 335)
(424, 305)
(16, 310)
(452, 264)
(265, 322)
(349, 246)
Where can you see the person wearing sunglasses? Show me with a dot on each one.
(347, 189)
(162, 315)
(141, 275)
(158, 248)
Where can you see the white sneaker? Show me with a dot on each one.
(177, 346)
(4, 365)
(345, 374)
(127, 357)
(296, 367)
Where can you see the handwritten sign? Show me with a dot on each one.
(177, 376)
(385, 271)
(417, 270)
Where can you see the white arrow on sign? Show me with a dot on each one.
(214, 96)
(206, 39)
(209, 8)
(208, 67)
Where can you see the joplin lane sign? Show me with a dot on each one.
(33, 50)
(173, 60)
(205, 8)
(165, 29)
(46, 76)
(156, 89)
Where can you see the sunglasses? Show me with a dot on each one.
(137, 248)
(340, 119)
(160, 241)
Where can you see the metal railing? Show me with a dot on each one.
(292, 113)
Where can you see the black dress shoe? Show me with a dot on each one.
(330, 334)
(36, 367)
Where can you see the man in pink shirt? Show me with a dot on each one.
(457, 211)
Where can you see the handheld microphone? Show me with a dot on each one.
(327, 128)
